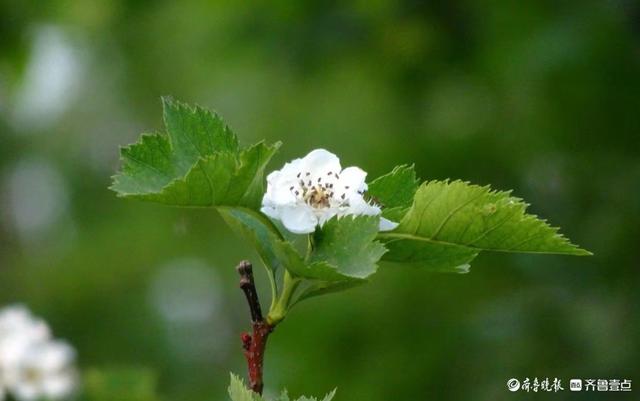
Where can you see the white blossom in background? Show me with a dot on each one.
(307, 192)
(33, 365)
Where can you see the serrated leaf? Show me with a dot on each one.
(320, 270)
(198, 163)
(450, 222)
(345, 253)
(238, 391)
(284, 396)
(195, 133)
(258, 229)
(394, 191)
(396, 188)
(327, 397)
(349, 244)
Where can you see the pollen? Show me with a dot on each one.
(316, 192)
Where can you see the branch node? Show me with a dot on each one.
(246, 341)
(253, 344)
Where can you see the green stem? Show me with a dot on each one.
(309, 247)
(278, 311)
(274, 286)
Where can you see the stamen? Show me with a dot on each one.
(298, 175)
(329, 173)
(346, 187)
(308, 173)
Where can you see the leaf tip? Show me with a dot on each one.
(583, 252)
(167, 101)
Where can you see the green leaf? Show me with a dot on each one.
(258, 229)
(349, 244)
(394, 191)
(396, 188)
(275, 252)
(451, 222)
(195, 133)
(238, 391)
(320, 270)
(317, 288)
(198, 163)
(345, 253)
(327, 397)
(284, 396)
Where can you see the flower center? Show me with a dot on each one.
(319, 191)
(32, 374)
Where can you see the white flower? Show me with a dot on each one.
(32, 365)
(307, 192)
(44, 371)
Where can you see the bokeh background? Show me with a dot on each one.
(541, 97)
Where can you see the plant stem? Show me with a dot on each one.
(254, 345)
(279, 310)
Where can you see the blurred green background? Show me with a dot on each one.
(542, 97)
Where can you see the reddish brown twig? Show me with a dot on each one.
(253, 344)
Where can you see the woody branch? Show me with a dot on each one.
(254, 344)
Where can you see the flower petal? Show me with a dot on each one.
(55, 355)
(353, 177)
(387, 225)
(279, 194)
(278, 189)
(270, 211)
(320, 162)
(26, 391)
(290, 168)
(59, 385)
(327, 214)
(299, 219)
(357, 205)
